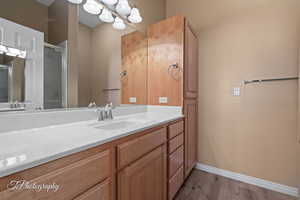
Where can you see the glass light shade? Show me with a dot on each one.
(135, 16)
(119, 24)
(123, 8)
(3, 49)
(92, 7)
(16, 52)
(106, 16)
(22, 54)
(110, 2)
(75, 1)
(13, 52)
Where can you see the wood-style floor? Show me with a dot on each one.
(205, 186)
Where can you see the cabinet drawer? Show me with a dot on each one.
(99, 192)
(72, 180)
(176, 160)
(175, 143)
(176, 129)
(175, 183)
(132, 150)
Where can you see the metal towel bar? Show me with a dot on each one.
(269, 80)
(113, 89)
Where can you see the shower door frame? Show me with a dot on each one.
(63, 49)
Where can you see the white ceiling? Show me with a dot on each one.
(87, 19)
(84, 18)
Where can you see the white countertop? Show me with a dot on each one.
(24, 149)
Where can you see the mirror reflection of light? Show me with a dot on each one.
(12, 52)
(12, 161)
(22, 158)
(3, 49)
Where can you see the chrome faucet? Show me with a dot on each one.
(105, 113)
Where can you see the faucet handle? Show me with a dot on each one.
(110, 111)
(110, 105)
(101, 116)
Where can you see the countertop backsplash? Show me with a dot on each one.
(28, 120)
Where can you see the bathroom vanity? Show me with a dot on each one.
(139, 156)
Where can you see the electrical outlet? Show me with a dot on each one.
(163, 99)
(236, 92)
(132, 99)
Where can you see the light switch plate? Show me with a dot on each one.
(236, 91)
(132, 99)
(163, 99)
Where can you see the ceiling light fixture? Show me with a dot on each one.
(117, 12)
(123, 8)
(93, 7)
(110, 2)
(75, 1)
(135, 16)
(106, 16)
(119, 24)
(16, 52)
(3, 49)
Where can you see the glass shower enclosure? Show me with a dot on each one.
(55, 78)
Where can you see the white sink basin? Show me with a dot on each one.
(121, 124)
(116, 125)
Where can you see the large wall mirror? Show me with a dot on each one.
(76, 53)
(12, 78)
(113, 63)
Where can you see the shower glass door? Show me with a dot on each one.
(53, 69)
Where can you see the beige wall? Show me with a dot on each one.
(27, 12)
(152, 11)
(73, 50)
(58, 22)
(254, 134)
(100, 64)
(106, 63)
(85, 63)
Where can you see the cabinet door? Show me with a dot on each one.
(165, 61)
(145, 179)
(190, 64)
(191, 132)
(134, 68)
(101, 191)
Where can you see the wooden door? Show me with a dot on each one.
(190, 63)
(166, 49)
(134, 68)
(145, 179)
(191, 132)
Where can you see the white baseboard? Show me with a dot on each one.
(250, 180)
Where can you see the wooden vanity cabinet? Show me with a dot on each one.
(173, 61)
(191, 130)
(86, 175)
(101, 191)
(144, 179)
(176, 157)
(190, 63)
(143, 167)
(146, 165)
